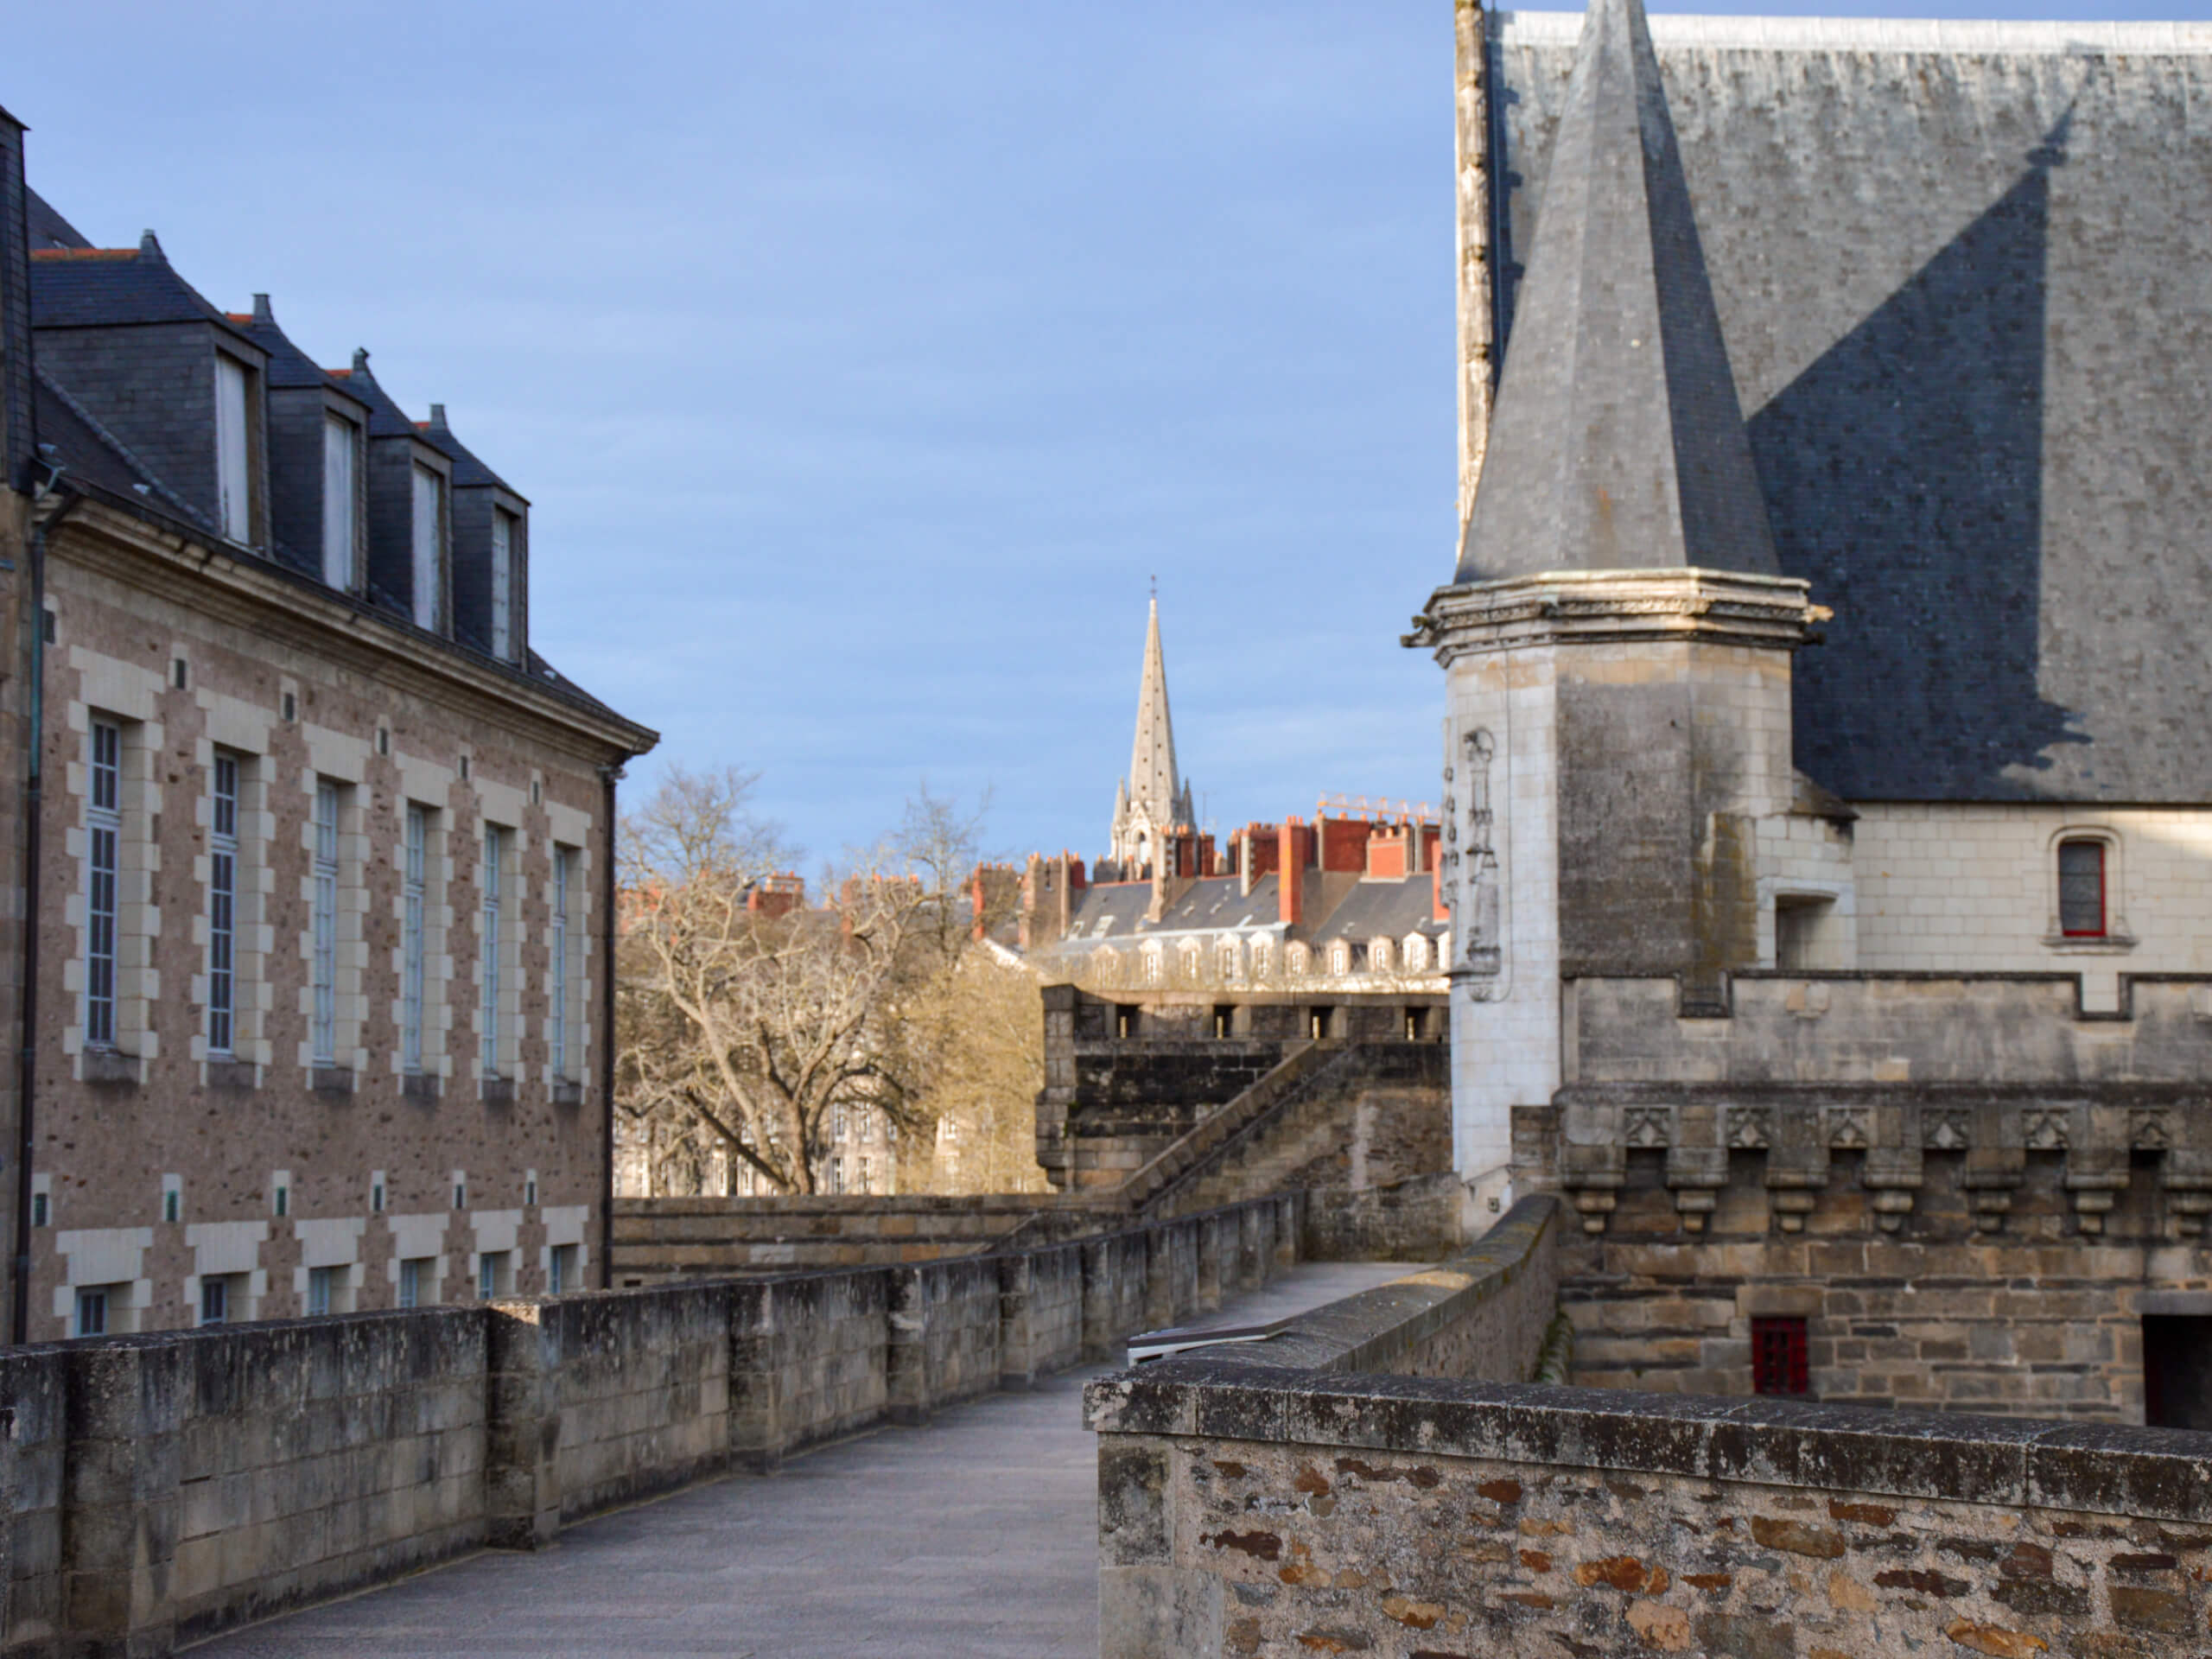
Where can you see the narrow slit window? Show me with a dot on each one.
(222, 907)
(2081, 889)
(104, 839)
(324, 1034)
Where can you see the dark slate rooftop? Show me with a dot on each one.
(1385, 909)
(88, 453)
(47, 227)
(467, 471)
(1617, 441)
(100, 288)
(1964, 276)
(386, 418)
(289, 366)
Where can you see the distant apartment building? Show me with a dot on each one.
(320, 847)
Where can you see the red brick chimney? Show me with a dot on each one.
(1293, 849)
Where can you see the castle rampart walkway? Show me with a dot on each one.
(974, 1536)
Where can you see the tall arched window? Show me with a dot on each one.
(2081, 907)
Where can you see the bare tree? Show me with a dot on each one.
(759, 1015)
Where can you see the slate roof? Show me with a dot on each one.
(1617, 441)
(468, 470)
(100, 288)
(47, 227)
(1964, 277)
(88, 453)
(289, 366)
(1384, 909)
(386, 418)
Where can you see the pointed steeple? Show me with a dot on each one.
(1153, 785)
(1617, 441)
(1153, 799)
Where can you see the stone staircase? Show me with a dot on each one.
(1299, 1125)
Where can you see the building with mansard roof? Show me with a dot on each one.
(1828, 811)
(319, 960)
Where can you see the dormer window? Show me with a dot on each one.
(429, 548)
(233, 472)
(503, 583)
(341, 559)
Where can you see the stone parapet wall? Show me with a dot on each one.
(1245, 1511)
(168, 1486)
(1998, 1325)
(659, 1240)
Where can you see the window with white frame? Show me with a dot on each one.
(322, 1033)
(222, 907)
(234, 471)
(413, 889)
(2081, 894)
(489, 945)
(103, 870)
(503, 582)
(417, 1281)
(428, 564)
(324, 1289)
(339, 437)
(561, 1269)
(556, 1017)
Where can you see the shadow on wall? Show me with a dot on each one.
(1904, 475)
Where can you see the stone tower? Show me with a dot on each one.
(1153, 799)
(1618, 637)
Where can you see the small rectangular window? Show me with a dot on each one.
(495, 1274)
(1778, 1358)
(214, 1301)
(91, 1311)
(38, 1208)
(172, 1204)
(321, 1282)
(415, 1273)
(2081, 889)
(561, 1269)
(282, 1202)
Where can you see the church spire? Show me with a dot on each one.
(1617, 441)
(1154, 797)
(1152, 781)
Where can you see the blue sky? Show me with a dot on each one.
(864, 362)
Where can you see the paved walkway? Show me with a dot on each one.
(974, 1537)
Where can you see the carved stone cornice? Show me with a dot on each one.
(252, 592)
(1615, 606)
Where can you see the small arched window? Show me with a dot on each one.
(1378, 956)
(1152, 965)
(1232, 962)
(2081, 906)
(1263, 959)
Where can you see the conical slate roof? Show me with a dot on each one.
(1617, 441)
(1153, 782)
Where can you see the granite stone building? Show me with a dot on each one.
(1825, 829)
(319, 846)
